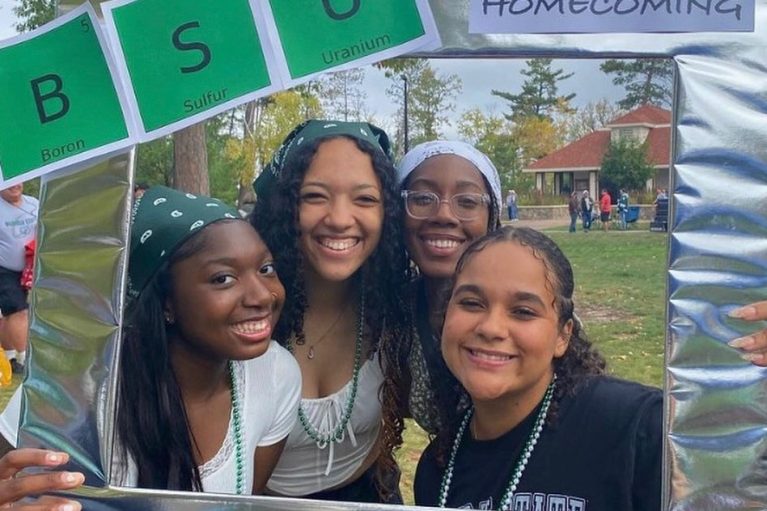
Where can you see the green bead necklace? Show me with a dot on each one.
(337, 435)
(524, 457)
(237, 424)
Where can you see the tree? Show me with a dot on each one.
(645, 81)
(493, 135)
(625, 165)
(33, 13)
(190, 160)
(540, 93)
(431, 96)
(266, 123)
(589, 118)
(342, 95)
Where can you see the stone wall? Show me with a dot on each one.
(646, 212)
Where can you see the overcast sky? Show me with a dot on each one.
(479, 77)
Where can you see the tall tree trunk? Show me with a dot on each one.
(190, 156)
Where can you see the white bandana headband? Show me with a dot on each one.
(468, 152)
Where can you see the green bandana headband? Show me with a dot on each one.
(162, 220)
(312, 130)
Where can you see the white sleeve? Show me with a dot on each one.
(287, 396)
(9, 419)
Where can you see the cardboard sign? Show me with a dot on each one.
(603, 16)
(186, 61)
(317, 36)
(60, 102)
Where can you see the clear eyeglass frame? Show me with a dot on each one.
(458, 204)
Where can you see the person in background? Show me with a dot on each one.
(623, 208)
(587, 208)
(573, 207)
(605, 207)
(139, 190)
(545, 423)
(18, 226)
(511, 204)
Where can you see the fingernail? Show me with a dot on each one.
(70, 477)
(67, 507)
(54, 457)
(752, 357)
(746, 312)
(742, 342)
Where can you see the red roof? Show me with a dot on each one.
(646, 114)
(587, 152)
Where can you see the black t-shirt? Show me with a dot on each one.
(602, 453)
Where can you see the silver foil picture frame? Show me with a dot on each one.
(715, 402)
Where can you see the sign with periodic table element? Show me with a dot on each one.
(60, 103)
(317, 36)
(187, 61)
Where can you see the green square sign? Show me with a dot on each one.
(185, 58)
(58, 98)
(317, 35)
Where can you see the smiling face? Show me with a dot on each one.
(340, 211)
(436, 243)
(225, 298)
(501, 331)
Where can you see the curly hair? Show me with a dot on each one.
(384, 275)
(580, 362)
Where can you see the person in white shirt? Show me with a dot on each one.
(18, 224)
(205, 398)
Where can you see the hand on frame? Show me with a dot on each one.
(753, 347)
(15, 486)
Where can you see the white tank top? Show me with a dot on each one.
(304, 468)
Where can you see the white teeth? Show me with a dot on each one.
(489, 356)
(443, 243)
(335, 244)
(252, 327)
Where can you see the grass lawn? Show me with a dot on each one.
(620, 297)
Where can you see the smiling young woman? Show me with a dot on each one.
(545, 428)
(452, 196)
(205, 397)
(328, 207)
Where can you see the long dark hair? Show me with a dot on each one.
(152, 425)
(385, 273)
(581, 360)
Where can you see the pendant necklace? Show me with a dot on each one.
(310, 353)
(322, 439)
(524, 457)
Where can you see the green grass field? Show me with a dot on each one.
(620, 297)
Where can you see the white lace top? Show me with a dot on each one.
(270, 389)
(304, 468)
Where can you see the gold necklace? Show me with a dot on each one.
(310, 353)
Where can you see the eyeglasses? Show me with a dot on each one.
(465, 206)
